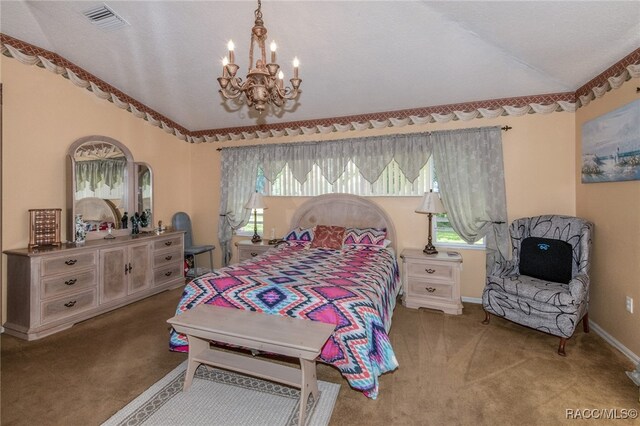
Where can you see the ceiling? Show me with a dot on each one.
(356, 57)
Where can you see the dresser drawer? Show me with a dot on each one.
(168, 243)
(163, 259)
(68, 283)
(67, 306)
(56, 265)
(432, 270)
(430, 289)
(168, 273)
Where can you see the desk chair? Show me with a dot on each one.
(182, 222)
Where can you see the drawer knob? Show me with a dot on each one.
(70, 304)
(168, 258)
(168, 274)
(429, 271)
(72, 281)
(71, 262)
(254, 254)
(430, 289)
(168, 243)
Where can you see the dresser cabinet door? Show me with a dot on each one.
(139, 265)
(113, 276)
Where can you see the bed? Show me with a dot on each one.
(354, 287)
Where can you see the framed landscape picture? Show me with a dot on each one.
(611, 146)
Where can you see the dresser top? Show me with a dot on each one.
(89, 244)
(441, 256)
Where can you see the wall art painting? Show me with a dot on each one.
(611, 146)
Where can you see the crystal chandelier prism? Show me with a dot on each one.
(264, 84)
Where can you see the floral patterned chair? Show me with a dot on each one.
(538, 288)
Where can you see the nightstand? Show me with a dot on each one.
(431, 281)
(247, 249)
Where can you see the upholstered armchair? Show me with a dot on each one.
(545, 285)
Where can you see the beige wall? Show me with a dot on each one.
(43, 115)
(614, 208)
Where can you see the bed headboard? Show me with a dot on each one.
(343, 210)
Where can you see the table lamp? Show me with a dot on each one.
(255, 202)
(430, 205)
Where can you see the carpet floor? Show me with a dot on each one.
(453, 370)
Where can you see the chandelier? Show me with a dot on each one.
(265, 82)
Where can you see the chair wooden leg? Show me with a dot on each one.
(585, 322)
(563, 341)
(487, 318)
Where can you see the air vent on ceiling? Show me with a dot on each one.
(105, 18)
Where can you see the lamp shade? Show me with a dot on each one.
(430, 204)
(256, 201)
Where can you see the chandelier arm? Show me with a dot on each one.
(230, 95)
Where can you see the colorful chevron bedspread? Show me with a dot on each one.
(354, 288)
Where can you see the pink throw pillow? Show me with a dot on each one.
(328, 237)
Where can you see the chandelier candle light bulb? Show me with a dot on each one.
(230, 47)
(273, 52)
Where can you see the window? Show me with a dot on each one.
(444, 235)
(392, 182)
(249, 227)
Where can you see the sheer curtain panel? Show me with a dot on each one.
(470, 172)
(238, 182)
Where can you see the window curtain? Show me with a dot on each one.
(470, 172)
(468, 162)
(371, 155)
(91, 173)
(238, 182)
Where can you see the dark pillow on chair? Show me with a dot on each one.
(546, 259)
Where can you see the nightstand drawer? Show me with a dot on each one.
(432, 270)
(430, 289)
(248, 250)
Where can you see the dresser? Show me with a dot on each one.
(51, 288)
(247, 249)
(431, 281)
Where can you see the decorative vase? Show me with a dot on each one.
(81, 231)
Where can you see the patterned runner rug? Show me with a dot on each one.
(219, 397)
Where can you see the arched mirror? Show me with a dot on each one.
(104, 183)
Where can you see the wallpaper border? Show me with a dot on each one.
(612, 78)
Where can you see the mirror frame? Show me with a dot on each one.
(137, 187)
(129, 188)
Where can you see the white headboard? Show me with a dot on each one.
(343, 210)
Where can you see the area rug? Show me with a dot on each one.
(219, 397)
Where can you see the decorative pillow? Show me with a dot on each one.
(328, 237)
(365, 236)
(546, 259)
(300, 234)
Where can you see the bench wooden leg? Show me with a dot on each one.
(196, 347)
(308, 386)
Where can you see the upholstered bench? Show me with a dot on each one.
(291, 337)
